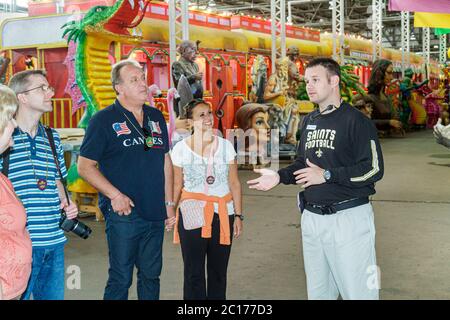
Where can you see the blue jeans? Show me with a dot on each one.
(47, 275)
(133, 241)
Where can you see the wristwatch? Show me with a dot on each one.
(170, 204)
(327, 175)
(240, 216)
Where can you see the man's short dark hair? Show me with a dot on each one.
(20, 81)
(332, 67)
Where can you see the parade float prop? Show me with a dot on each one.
(89, 68)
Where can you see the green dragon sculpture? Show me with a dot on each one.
(94, 34)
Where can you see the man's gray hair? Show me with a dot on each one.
(115, 72)
(185, 44)
(21, 80)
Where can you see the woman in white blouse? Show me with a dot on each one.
(208, 195)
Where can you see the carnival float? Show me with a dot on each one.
(78, 48)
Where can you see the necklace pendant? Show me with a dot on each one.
(149, 142)
(42, 184)
(210, 180)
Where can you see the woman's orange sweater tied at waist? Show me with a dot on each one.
(225, 237)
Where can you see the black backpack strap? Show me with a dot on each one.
(51, 140)
(5, 156)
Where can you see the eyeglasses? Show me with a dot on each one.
(44, 87)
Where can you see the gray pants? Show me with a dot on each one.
(339, 254)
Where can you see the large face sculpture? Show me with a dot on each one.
(260, 123)
(254, 117)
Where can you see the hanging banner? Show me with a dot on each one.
(441, 31)
(433, 20)
(435, 6)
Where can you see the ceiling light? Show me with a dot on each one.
(211, 3)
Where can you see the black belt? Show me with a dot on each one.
(335, 207)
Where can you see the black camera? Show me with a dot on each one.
(74, 225)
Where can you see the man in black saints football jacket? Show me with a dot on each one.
(338, 162)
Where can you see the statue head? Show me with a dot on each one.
(382, 74)
(292, 52)
(409, 73)
(282, 71)
(259, 65)
(254, 116)
(188, 50)
(365, 104)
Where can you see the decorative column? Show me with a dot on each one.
(338, 30)
(405, 41)
(377, 28)
(278, 26)
(178, 27)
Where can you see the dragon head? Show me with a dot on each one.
(109, 21)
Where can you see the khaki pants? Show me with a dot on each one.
(339, 254)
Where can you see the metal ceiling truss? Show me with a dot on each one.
(317, 14)
(338, 30)
(278, 19)
(405, 41)
(178, 27)
(426, 44)
(442, 48)
(377, 28)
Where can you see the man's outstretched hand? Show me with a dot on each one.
(268, 180)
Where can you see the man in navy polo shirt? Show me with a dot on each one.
(125, 156)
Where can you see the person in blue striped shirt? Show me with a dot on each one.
(35, 178)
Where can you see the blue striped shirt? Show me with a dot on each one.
(42, 206)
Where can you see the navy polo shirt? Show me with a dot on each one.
(117, 143)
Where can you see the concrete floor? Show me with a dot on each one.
(412, 216)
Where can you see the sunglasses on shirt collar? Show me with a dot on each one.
(148, 139)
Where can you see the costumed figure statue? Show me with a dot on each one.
(407, 115)
(253, 119)
(445, 92)
(4, 63)
(186, 70)
(442, 134)
(364, 104)
(384, 115)
(259, 79)
(276, 92)
(432, 106)
(153, 91)
(294, 77)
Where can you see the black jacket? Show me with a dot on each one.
(345, 142)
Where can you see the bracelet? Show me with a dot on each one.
(170, 203)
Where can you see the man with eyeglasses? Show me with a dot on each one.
(125, 155)
(34, 175)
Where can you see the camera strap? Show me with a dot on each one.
(5, 167)
(51, 141)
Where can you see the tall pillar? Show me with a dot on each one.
(278, 26)
(377, 28)
(178, 27)
(338, 30)
(405, 41)
(442, 48)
